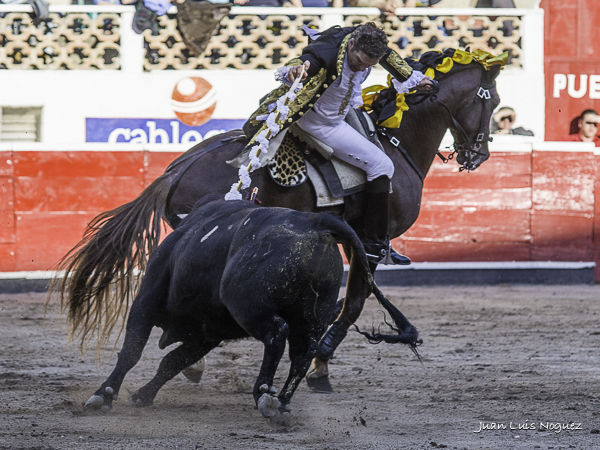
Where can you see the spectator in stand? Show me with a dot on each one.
(40, 7)
(272, 3)
(113, 2)
(317, 3)
(147, 12)
(503, 121)
(495, 4)
(588, 128)
(389, 6)
(502, 3)
(456, 3)
(296, 3)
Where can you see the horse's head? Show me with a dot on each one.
(463, 100)
(468, 93)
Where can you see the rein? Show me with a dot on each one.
(396, 143)
(469, 149)
(483, 135)
(417, 98)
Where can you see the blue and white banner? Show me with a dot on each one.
(155, 131)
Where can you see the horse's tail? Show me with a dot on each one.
(406, 333)
(101, 273)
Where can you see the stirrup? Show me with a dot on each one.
(389, 256)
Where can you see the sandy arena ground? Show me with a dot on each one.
(507, 356)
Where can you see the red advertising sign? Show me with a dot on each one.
(572, 63)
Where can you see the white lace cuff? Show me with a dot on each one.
(408, 85)
(281, 75)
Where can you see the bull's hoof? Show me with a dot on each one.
(283, 419)
(101, 400)
(268, 405)
(320, 385)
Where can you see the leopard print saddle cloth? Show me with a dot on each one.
(298, 157)
(288, 168)
(301, 156)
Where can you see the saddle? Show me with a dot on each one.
(299, 156)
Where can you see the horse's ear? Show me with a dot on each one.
(492, 74)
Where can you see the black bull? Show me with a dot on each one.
(234, 270)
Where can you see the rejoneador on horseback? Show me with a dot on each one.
(332, 68)
(102, 273)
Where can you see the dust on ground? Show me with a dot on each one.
(520, 357)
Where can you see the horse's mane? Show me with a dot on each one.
(430, 60)
(384, 101)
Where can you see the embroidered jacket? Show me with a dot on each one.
(326, 55)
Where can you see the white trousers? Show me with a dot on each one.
(349, 145)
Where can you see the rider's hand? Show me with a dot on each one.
(296, 70)
(426, 84)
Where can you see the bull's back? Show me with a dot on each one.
(280, 254)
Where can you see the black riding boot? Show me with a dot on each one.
(377, 241)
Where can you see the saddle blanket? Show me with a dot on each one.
(295, 156)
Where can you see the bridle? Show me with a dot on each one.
(470, 149)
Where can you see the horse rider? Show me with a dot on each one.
(335, 64)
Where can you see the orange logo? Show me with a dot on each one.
(194, 100)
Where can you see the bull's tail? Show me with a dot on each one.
(406, 333)
(101, 273)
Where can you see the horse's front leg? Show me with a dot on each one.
(357, 290)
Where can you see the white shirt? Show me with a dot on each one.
(345, 93)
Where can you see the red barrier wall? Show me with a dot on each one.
(530, 205)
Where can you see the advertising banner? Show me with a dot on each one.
(155, 131)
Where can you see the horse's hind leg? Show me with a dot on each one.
(340, 303)
(357, 290)
(174, 362)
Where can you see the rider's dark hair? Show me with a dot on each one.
(370, 40)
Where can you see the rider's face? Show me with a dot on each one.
(359, 60)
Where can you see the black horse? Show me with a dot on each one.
(118, 242)
(232, 270)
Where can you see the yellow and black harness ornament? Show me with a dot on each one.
(389, 111)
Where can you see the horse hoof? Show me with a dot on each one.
(195, 371)
(268, 405)
(320, 385)
(139, 401)
(103, 402)
(94, 402)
